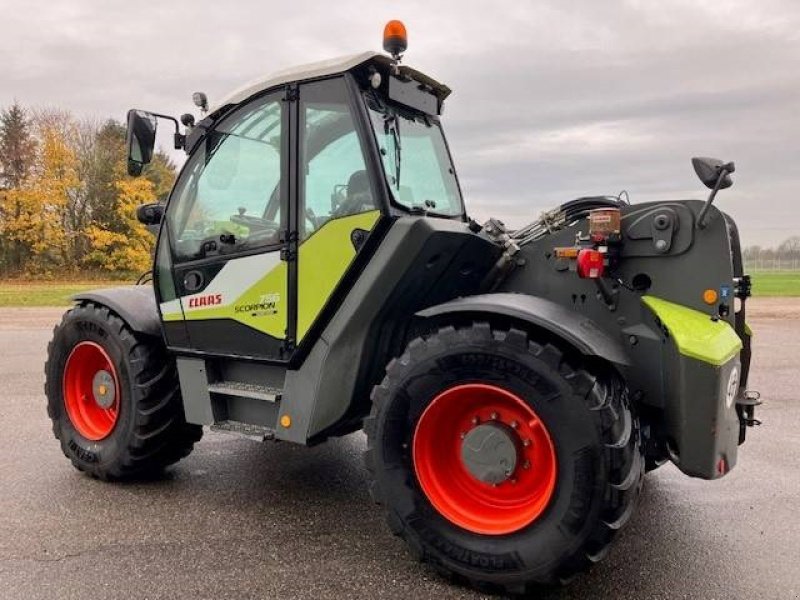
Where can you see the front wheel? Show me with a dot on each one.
(502, 461)
(113, 397)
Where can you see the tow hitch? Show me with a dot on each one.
(746, 410)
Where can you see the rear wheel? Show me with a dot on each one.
(113, 397)
(502, 461)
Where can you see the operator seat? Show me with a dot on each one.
(359, 196)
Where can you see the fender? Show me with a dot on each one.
(135, 304)
(577, 330)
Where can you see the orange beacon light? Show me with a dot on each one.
(395, 39)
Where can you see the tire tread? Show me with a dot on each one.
(603, 392)
(161, 435)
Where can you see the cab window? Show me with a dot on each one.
(228, 199)
(335, 183)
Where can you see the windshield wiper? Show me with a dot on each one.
(392, 122)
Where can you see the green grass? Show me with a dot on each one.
(46, 293)
(57, 293)
(776, 283)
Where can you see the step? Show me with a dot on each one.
(245, 390)
(258, 433)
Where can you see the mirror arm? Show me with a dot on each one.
(179, 140)
(723, 172)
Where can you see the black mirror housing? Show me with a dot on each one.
(140, 139)
(150, 214)
(709, 169)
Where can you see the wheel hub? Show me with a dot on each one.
(490, 452)
(103, 389)
(91, 391)
(484, 459)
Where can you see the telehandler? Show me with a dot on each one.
(316, 273)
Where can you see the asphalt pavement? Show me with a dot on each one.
(238, 519)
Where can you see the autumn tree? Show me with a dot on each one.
(66, 201)
(122, 243)
(118, 241)
(40, 204)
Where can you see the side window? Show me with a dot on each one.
(336, 183)
(229, 197)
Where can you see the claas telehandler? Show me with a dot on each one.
(316, 273)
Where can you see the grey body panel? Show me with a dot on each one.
(420, 262)
(574, 328)
(194, 389)
(678, 397)
(702, 428)
(697, 260)
(215, 391)
(136, 304)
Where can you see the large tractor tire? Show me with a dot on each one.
(113, 397)
(502, 462)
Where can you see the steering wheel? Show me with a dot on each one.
(353, 204)
(254, 224)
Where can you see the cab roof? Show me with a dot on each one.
(324, 68)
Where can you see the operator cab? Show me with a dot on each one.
(287, 181)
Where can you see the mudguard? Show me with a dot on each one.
(136, 304)
(577, 330)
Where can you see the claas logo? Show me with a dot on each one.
(208, 300)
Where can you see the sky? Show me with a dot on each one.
(552, 99)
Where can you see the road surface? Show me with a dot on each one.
(239, 519)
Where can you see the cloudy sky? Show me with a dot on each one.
(552, 99)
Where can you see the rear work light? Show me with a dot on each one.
(590, 264)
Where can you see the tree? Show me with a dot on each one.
(66, 201)
(790, 248)
(123, 243)
(17, 146)
(39, 223)
(118, 242)
(17, 156)
(161, 172)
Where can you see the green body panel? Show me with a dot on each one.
(323, 259)
(696, 335)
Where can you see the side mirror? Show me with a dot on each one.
(150, 214)
(141, 140)
(709, 170)
(716, 175)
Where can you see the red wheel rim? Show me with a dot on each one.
(91, 391)
(460, 497)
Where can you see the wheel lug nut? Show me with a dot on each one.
(526, 464)
(514, 424)
(526, 443)
(475, 420)
(493, 416)
(463, 435)
(513, 481)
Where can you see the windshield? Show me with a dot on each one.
(416, 161)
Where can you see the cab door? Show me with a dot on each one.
(224, 223)
(338, 198)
